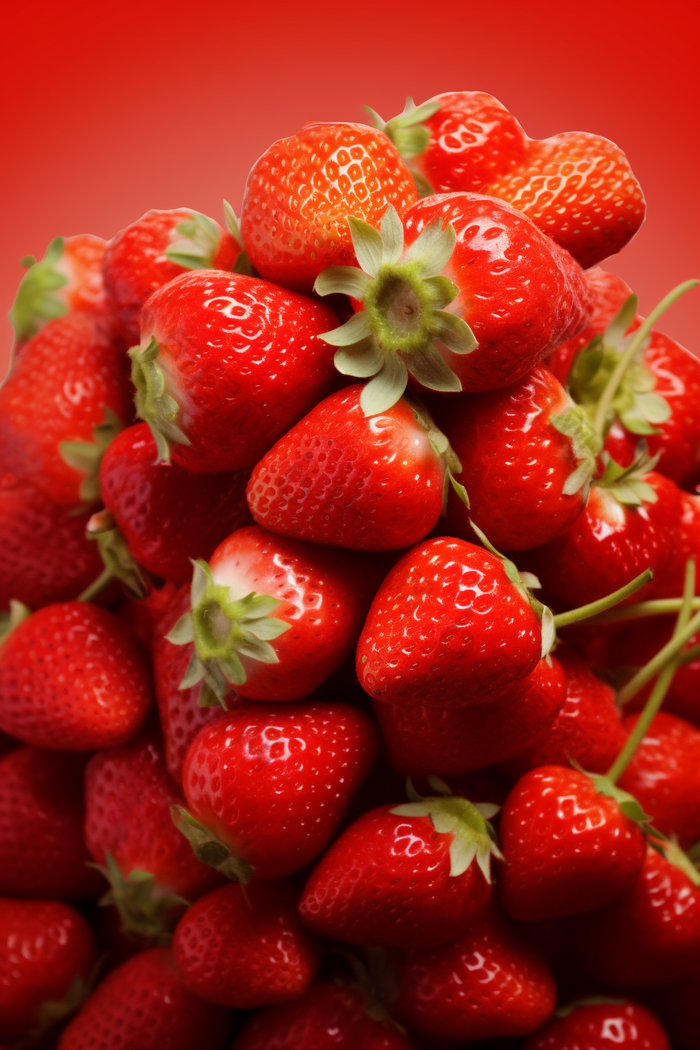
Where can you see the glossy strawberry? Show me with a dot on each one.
(72, 678)
(168, 515)
(42, 845)
(246, 948)
(160, 246)
(142, 1004)
(568, 847)
(415, 650)
(490, 983)
(47, 954)
(601, 1026)
(227, 363)
(670, 585)
(300, 192)
(607, 294)
(313, 755)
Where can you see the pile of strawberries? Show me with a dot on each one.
(348, 557)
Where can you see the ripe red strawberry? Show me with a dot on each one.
(160, 246)
(608, 293)
(72, 678)
(601, 1026)
(168, 515)
(670, 585)
(568, 845)
(312, 755)
(144, 615)
(300, 192)
(42, 846)
(490, 983)
(648, 935)
(577, 187)
(328, 1017)
(404, 876)
(447, 628)
(66, 396)
(246, 948)
(227, 364)
(454, 740)
(143, 1004)
(47, 954)
(260, 588)
(527, 455)
(129, 833)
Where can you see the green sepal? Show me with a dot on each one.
(198, 244)
(591, 1000)
(574, 424)
(627, 484)
(442, 448)
(687, 862)
(209, 849)
(36, 301)
(115, 553)
(153, 403)
(242, 265)
(18, 612)
(86, 456)
(628, 803)
(406, 131)
(143, 910)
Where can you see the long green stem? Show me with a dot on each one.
(90, 592)
(654, 607)
(657, 664)
(584, 612)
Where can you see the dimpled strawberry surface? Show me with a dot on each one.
(349, 615)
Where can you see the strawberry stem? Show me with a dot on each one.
(90, 592)
(653, 607)
(584, 612)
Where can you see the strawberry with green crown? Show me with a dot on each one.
(600, 1023)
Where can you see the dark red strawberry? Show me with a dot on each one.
(160, 246)
(144, 615)
(340, 478)
(42, 845)
(143, 1004)
(454, 740)
(601, 1025)
(47, 954)
(72, 678)
(677, 1006)
(329, 1016)
(168, 515)
(245, 948)
(226, 365)
(312, 755)
(300, 193)
(568, 845)
(490, 983)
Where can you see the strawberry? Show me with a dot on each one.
(687, 546)
(577, 187)
(151, 870)
(490, 983)
(527, 455)
(327, 1017)
(47, 954)
(168, 515)
(404, 876)
(65, 398)
(42, 846)
(144, 615)
(299, 194)
(72, 678)
(312, 755)
(532, 296)
(601, 1025)
(160, 246)
(607, 293)
(568, 844)
(226, 365)
(454, 740)
(245, 948)
(340, 478)
(142, 1004)
(260, 588)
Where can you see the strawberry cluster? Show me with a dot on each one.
(348, 556)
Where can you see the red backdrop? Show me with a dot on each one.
(111, 109)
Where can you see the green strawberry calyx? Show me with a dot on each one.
(242, 264)
(153, 402)
(574, 424)
(627, 484)
(36, 301)
(118, 560)
(17, 614)
(473, 837)
(86, 456)
(410, 136)
(223, 630)
(591, 1000)
(443, 449)
(687, 862)
(404, 322)
(198, 243)
(209, 849)
(144, 910)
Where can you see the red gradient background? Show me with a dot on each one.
(112, 109)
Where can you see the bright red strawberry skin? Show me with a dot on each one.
(341, 478)
(446, 629)
(490, 983)
(607, 293)
(602, 1026)
(567, 848)
(386, 881)
(519, 292)
(246, 948)
(73, 679)
(243, 360)
(168, 515)
(312, 755)
(42, 845)
(145, 1004)
(300, 192)
(44, 946)
(687, 546)
(515, 463)
(136, 265)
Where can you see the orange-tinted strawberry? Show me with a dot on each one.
(618, 1025)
